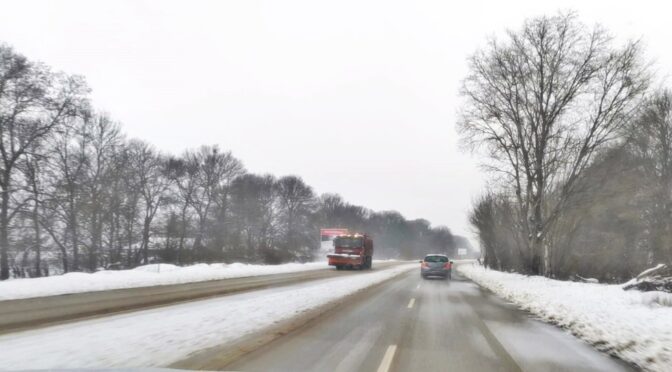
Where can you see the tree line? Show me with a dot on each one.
(78, 195)
(579, 149)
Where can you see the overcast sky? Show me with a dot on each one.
(357, 97)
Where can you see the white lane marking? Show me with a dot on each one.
(410, 303)
(418, 287)
(356, 346)
(386, 363)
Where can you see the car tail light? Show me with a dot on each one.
(424, 264)
(447, 265)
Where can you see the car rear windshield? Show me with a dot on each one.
(436, 259)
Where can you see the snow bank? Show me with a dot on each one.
(657, 278)
(634, 326)
(143, 276)
(165, 335)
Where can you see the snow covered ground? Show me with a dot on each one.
(143, 276)
(161, 336)
(635, 326)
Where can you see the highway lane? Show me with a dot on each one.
(411, 324)
(38, 312)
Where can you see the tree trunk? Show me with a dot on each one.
(547, 260)
(38, 237)
(183, 233)
(93, 248)
(64, 259)
(117, 238)
(223, 220)
(74, 234)
(4, 231)
(129, 241)
(145, 240)
(537, 264)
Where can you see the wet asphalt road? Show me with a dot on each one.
(412, 324)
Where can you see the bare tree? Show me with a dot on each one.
(32, 166)
(337, 212)
(253, 208)
(104, 140)
(442, 238)
(229, 169)
(66, 201)
(482, 219)
(650, 138)
(184, 174)
(34, 102)
(297, 204)
(122, 207)
(151, 170)
(216, 171)
(542, 103)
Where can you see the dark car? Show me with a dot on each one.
(436, 265)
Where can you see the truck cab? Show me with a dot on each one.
(352, 251)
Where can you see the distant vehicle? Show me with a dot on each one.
(352, 251)
(436, 265)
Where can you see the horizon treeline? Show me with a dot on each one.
(78, 195)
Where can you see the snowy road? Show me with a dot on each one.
(413, 324)
(30, 313)
(164, 335)
(403, 324)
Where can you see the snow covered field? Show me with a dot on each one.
(635, 326)
(161, 336)
(149, 275)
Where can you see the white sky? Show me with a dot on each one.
(357, 97)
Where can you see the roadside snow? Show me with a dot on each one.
(649, 271)
(634, 326)
(162, 336)
(143, 276)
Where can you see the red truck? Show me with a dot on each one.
(352, 251)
